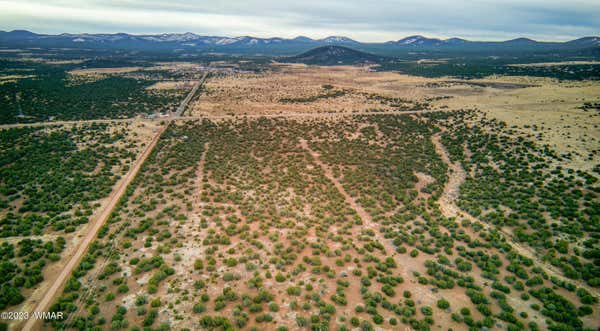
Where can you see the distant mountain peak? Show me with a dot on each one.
(521, 40)
(303, 38)
(455, 41)
(417, 40)
(23, 33)
(338, 40)
(172, 37)
(591, 40)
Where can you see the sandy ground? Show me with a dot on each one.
(449, 208)
(406, 264)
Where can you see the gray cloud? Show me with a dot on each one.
(384, 20)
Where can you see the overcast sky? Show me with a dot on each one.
(358, 19)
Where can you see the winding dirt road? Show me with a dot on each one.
(448, 207)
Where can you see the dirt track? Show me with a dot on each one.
(102, 214)
(365, 217)
(97, 221)
(449, 208)
(197, 198)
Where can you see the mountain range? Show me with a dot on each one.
(191, 42)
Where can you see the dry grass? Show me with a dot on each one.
(60, 62)
(263, 93)
(549, 110)
(552, 64)
(174, 66)
(13, 78)
(170, 66)
(172, 85)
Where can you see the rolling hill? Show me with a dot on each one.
(333, 55)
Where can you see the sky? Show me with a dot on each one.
(367, 21)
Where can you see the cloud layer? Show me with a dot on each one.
(358, 19)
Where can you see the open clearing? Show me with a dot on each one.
(308, 89)
(172, 85)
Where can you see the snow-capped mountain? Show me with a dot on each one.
(588, 41)
(418, 40)
(188, 36)
(303, 39)
(338, 40)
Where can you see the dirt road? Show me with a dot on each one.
(188, 98)
(102, 214)
(448, 207)
(97, 221)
